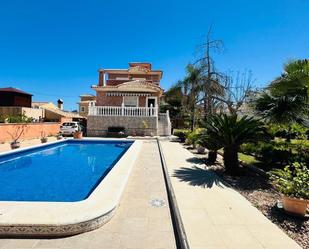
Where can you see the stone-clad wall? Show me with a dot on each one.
(98, 125)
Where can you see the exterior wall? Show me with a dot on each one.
(87, 98)
(31, 130)
(65, 119)
(86, 109)
(28, 112)
(142, 101)
(103, 100)
(98, 125)
(114, 82)
(51, 116)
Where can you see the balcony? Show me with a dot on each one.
(123, 111)
(114, 82)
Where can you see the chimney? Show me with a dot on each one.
(60, 104)
(101, 77)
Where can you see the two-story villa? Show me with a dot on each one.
(128, 98)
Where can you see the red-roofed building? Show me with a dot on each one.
(128, 99)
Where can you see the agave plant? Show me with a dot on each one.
(229, 132)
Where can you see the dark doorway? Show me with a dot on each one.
(151, 102)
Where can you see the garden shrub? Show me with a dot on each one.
(20, 118)
(292, 181)
(181, 134)
(194, 136)
(293, 131)
(272, 153)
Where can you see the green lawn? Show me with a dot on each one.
(247, 159)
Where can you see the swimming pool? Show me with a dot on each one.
(66, 171)
(64, 187)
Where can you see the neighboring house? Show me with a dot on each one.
(55, 113)
(15, 102)
(128, 98)
(86, 100)
(10, 96)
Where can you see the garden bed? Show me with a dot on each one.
(256, 188)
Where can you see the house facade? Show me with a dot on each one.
(86, 100)
(128, 98)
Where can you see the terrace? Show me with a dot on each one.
(212, 214)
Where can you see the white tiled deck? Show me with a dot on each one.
(214, 215)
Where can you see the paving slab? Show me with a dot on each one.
(214, 215)
(137, 223)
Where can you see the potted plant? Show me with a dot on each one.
(59, 136)
(78, 134)
(293, 183)
(16, 134)
(44, 138)
(15, 144)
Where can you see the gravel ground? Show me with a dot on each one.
(263, 196)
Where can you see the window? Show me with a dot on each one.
(130, 101)
(82, 109)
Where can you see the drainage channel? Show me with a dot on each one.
(179, 231)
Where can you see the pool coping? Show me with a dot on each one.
(20, 218)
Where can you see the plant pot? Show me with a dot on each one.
(59, 137)
(15, 145)
(212, 157)
(200, 150)
(295, 205)
(78, 135)
(44, 140)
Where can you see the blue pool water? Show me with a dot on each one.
(66, 171)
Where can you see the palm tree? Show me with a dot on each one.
(229, 132)
(281, 109)
(294, 81)
(191, 86)
(286, 100)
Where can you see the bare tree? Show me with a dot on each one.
(237, 90)
(210, 76)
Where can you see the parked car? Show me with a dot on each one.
(69, 128)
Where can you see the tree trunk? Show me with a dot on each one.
(288, 136)
(193, 120)
(230, 158)
(212, 156)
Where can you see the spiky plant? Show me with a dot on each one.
(229, 132)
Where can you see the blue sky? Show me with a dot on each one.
(54, 48)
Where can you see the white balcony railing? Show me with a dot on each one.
(123, 111)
